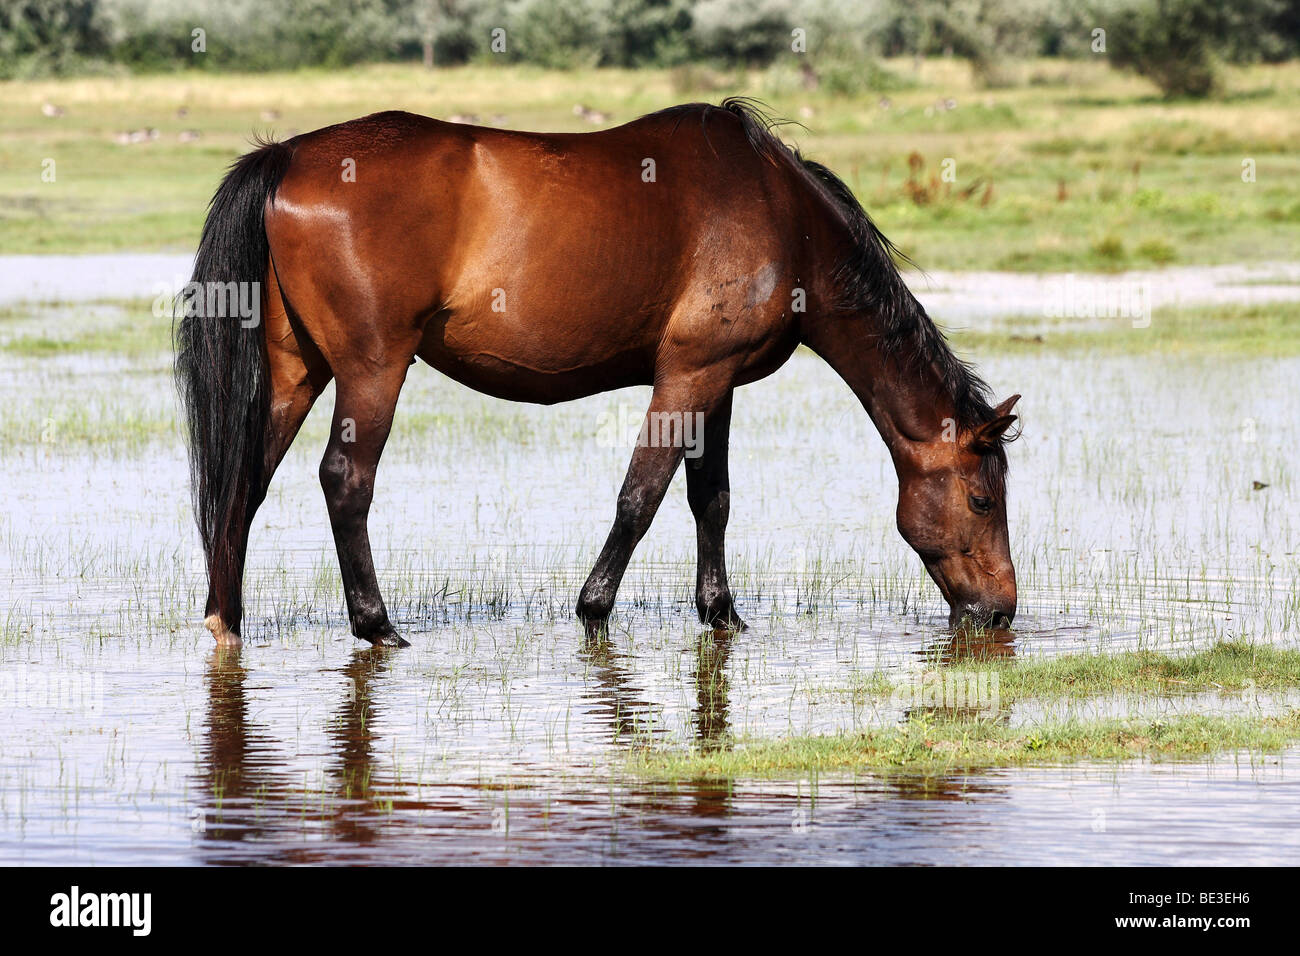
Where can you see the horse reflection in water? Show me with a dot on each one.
(251, 805)
(255, 802)
(353, 733)
(248, 794)
(239, 764)
(630, 716)
(972, 644)
(712, 687)
(956, 691)
(615, 699)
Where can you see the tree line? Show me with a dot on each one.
(1179, 44)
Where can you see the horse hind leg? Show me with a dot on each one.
(367, 333)
(363, 418)
(297, 375)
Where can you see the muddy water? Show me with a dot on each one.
(501, 734)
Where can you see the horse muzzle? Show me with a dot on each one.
(994, 616)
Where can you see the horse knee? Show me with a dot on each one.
(346, 487)
(333, 472)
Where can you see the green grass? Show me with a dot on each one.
(128, 329)
(1225, 330)
(938, 739)
(925, 744)
(1088, 171)
(1227, 665)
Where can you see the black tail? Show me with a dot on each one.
(221, 369)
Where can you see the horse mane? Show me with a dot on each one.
(867, 280)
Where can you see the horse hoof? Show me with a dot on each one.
(387, 638)
(722, 618)
(224, 636)
(597, 628)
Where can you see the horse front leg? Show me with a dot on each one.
(708, 489)
(659, 451)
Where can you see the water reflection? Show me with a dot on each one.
(953, 691)
(352, 731)
(973, 644)
(265, 797)
(246, 789)
(238, 761)
(710, 715)
(618, 701)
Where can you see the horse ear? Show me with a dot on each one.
(1005, 407)
(989, 435)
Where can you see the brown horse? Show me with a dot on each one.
(690, 250)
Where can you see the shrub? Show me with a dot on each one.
(1176, 43)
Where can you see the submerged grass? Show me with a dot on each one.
(128, 329)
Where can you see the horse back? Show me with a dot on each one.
(579, 256)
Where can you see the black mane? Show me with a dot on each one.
(868, 281)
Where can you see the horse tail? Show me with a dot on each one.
(222, 372)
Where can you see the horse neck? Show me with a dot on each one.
(906, 399)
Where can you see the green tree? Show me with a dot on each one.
(1178, 44)
(50, 36)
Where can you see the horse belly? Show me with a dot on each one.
(533, 365)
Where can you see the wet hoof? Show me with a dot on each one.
(732, 624)
(721, 616)
(597, 628)
(225, 637)
(385, 637)
(593, 611)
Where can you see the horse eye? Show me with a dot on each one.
(982, 505)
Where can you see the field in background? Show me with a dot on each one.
(1075, 167)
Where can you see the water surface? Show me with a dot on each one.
(502, 734)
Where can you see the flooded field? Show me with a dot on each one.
(1153, 505)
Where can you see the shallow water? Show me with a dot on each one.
(976, 297)
(501, 734)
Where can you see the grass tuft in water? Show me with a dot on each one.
(928, 744)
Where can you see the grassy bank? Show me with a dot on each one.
(923, 745)
(1227, 665)
(939, 739)
(1221, 331)
(1074, 166)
